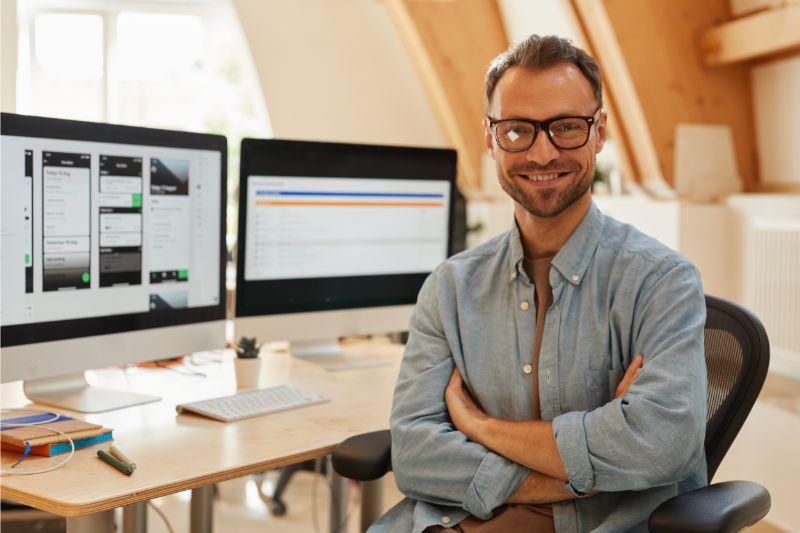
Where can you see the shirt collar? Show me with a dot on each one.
(573, 258)
(516, 254)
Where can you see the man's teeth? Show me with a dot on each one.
(543, 177)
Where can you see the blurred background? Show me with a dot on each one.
(703, 100)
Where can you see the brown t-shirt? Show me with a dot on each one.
(513, 518)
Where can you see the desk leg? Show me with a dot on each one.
(201, 519)
(339, 497)
(371, 502)
(134, 518)
(101, 522)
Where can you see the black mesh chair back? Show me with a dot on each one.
(737, 359)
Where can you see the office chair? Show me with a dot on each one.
(737, 359)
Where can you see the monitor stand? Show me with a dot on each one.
(330, 355)
(73, 392)
(315, 349)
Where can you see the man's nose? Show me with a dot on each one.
(542, 150)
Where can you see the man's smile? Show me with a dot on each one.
(544, 179)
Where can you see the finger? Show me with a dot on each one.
(454, 379)
(630, 375)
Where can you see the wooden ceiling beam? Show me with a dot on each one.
(761, 34)
(451, 45)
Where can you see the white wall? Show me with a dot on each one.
(545, 17)
(8, 53)
(336, 70)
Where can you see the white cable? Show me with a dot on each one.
(37, 424)
(162, 515)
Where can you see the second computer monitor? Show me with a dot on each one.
(336, 239)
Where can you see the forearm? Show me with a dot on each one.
(437, 465)
(529, 443)
(538, 488)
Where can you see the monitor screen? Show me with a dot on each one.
(108, 229)
(327, 226)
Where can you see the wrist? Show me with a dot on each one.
(481, 429)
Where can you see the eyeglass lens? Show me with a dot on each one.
(516, 135)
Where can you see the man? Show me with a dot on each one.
(516, 407)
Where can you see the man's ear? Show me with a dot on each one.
(601, 132)
(488, 141)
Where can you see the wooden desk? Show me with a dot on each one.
(175, 452)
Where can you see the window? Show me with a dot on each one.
(174, 65)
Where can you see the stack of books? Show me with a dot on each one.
(45, 442)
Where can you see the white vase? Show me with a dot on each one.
(247, 372)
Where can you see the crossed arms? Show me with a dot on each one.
(529, 443)
(447, 450)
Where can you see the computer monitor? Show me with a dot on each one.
(112, 252)
(336, 239)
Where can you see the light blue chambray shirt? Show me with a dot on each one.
(616, 293)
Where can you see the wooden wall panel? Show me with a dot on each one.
(452, 44)
(659, 45)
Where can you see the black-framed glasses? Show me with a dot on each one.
(565, 133)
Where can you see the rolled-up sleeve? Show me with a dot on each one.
(654, 435)
(433, 461)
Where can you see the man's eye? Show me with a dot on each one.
(565, 128)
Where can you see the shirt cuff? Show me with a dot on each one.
(495, 481)
(570, 436)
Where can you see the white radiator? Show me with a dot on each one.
(772, 285)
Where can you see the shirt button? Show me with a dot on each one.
(445, 520)
(575, 277)
(527, 369)
(514, 275)
(524, 306)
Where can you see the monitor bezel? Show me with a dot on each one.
(258, 156)
(17, 125)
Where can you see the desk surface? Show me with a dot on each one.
(180, 452)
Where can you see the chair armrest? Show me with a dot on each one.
(721, 507)
(364, 457)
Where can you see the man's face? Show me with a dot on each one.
(543, 179)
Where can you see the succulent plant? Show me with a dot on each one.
(247, 348)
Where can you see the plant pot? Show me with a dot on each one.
(247, 372)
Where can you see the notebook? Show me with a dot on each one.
(41, 438)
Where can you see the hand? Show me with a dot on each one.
(630, 374)
(465, 413)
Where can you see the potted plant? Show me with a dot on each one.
(247, 363)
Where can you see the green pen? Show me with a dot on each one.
(116, 463)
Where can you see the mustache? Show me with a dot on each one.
(534, 167)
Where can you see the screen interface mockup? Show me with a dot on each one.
(94, 229)
(323, 227)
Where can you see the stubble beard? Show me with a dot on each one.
(536, 202)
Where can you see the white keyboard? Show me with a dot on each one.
(253, 403)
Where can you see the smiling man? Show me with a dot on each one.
(554, 377)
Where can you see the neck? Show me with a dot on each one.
(544, 237)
